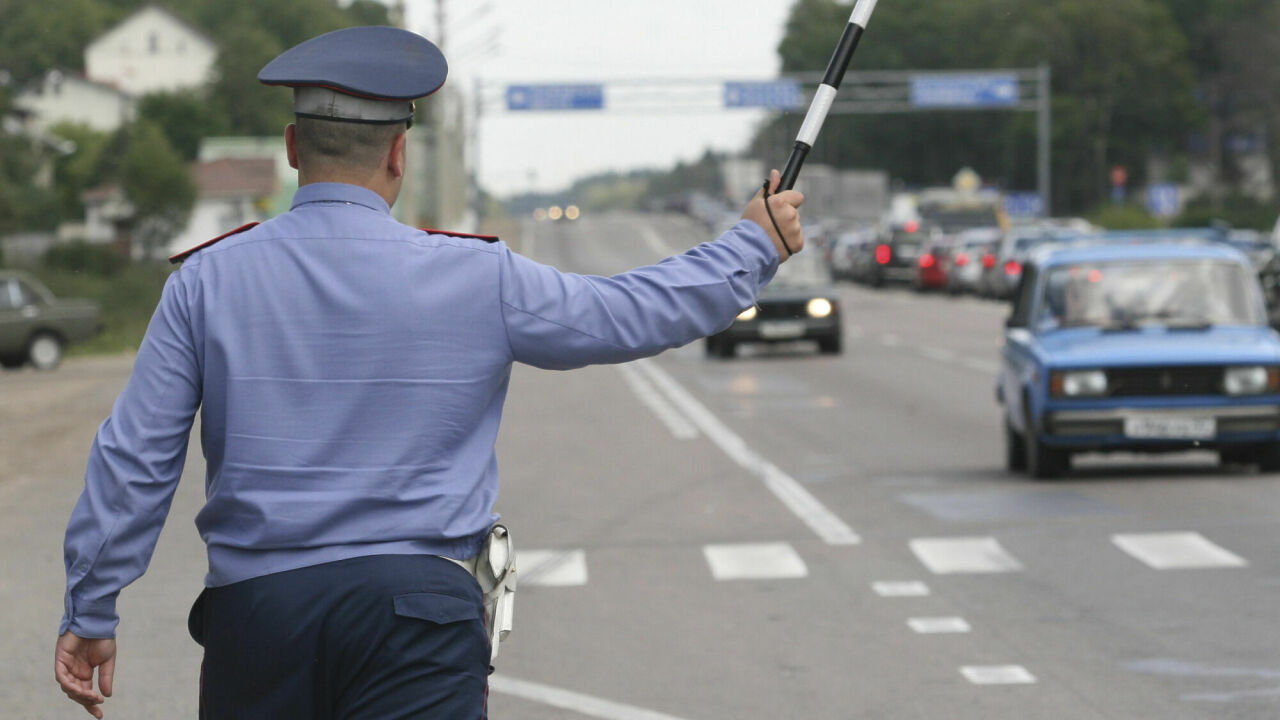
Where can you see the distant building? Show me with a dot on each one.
(66, 97)
(151, 51)
(107, 215)
(230, 193)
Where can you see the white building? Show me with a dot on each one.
(151, 51)
(66, 97)
(231, 193)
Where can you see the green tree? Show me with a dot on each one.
(79, 171)
(186, 118)
(157, 182)
(39, 36)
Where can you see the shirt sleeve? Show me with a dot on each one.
(134, 467)
(558, 320)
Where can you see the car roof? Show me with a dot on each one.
(1104, 248)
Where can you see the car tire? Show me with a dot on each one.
(1015, 449)
(44, 352)
(1268, 457)
(830, 345)
(1044, 462)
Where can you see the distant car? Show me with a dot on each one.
(973, 251)
(1002, 279)
(934, 263)
(35, 326)
(895, 256)
(843, 251)
(799, 304)
(1144, 347)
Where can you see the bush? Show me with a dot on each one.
(82, 257)
(1238, 211)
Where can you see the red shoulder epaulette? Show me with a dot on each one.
(187, 253)
(485, 238)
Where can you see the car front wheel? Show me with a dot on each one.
(1015, 449)
(1044, 462)
(45, 351)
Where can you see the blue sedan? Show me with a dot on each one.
(1149, 347)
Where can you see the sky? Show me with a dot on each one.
(610, 41)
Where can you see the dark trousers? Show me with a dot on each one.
(375, 638)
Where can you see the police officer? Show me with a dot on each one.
(350, 373)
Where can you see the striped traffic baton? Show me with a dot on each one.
(826, 94)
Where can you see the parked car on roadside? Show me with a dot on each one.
(1148, 347)
(799, 304)
(35, 326)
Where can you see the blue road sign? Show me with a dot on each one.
(555, 97)
(1024, 205)
(975, 90)
(1162, 200)
(780, 95)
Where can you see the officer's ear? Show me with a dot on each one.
(398, 157)
(291, 144)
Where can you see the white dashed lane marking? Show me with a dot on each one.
(754, 561)
(997, 675)
(945, 556)
(1177, 551)
(939, 625)
(585, 705)
(907, 588)
(552, 568)
(679, 426)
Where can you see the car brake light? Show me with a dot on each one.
(883, 254)
(926, 261)
(988, 261)
(962, 259)
(1013, 267)
(911, 226)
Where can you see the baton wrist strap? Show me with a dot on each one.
(773, 220)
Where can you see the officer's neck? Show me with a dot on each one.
(379, 182)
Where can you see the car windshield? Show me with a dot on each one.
(1129, 294)
(803, 270)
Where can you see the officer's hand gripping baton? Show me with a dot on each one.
(826, 93)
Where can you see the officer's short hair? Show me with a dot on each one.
(345, 144)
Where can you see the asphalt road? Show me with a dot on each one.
(782, 535)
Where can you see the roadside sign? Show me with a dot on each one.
(1024, 205)
(780, 95)
(555, 97)
(970, 90)
(1162, 200)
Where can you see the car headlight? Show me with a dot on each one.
(1078, 383)
(748, 314)
(1250, 380)
(819, 307)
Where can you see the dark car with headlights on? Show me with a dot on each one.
(1148, 347)
(35, 326)
(799, 304)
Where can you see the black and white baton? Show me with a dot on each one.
(826, 94)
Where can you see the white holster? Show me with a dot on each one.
(495, 570)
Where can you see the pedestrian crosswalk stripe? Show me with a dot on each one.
(551, 568)
(754, 561)
(1177, 551)
(964, 555)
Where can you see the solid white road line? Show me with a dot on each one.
(938, 625)
(997, 675)
(574, 702)
(1177, 551)
(754, 561)
(655, 241)
(946, 556)
(800, 501)
(552, 568)
(909, 588)
(679, 427)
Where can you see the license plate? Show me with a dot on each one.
(1170, 428)
(781, 329)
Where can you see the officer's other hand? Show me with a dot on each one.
(785, 206)
(74, 661)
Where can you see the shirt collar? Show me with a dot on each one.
(339, 193)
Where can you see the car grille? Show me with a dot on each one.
(1137, 382)
(784, 310)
